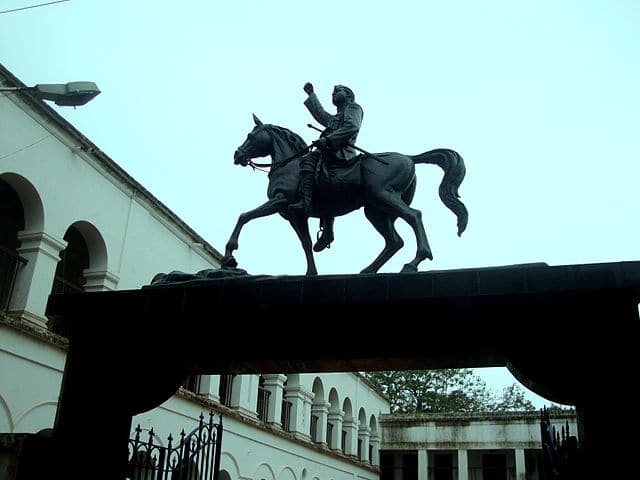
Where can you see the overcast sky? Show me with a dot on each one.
(541, 98)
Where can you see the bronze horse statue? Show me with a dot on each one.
(385, 185)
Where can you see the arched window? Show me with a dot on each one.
(11, 222)
(73, 260)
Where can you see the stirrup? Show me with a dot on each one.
(321, 242)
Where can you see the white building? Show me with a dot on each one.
(57, 236)
(466, 447)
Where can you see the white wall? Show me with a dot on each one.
(138, 236)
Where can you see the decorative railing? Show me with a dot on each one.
(263, 404)
(313, 428)
(195, 456)
(62, 286)
(285, 416)
(192, 383)
(10, 264)
(226, 382)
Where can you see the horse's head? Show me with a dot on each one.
(257, 144)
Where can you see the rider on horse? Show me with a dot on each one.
(334, 146)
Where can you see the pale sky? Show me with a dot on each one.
(541, 98)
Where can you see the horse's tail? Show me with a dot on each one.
(454, 171)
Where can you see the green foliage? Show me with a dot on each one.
(445, 391)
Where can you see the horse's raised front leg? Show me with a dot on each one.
(300, 225)
(270, 207)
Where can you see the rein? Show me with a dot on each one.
(259, 166)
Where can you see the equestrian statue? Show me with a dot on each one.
(333, 177)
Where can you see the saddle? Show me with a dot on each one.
(332, 176)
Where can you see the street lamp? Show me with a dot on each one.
(72, 94)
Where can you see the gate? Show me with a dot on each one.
(195, 457)
(560, 453)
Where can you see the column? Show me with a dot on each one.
(423, 465)
(35, 279)
(520, 464)
(300, 399)
(374, 442)
(351, 438)
(320, 411)
(210, 387)
(274, 383)
(100, 280)
(463, 465)
(363, 436)
(244, 395)
(335, 418)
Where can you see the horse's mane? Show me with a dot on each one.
(293, 139)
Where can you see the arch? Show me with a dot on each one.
(318, 391)
(347, 408)
(74, 260)
(362, 417)
(264, 472)
(11, 217)
(95, 244)
(32, 206)
(373, 424)
(334, 400)
(6, 422)
(38, 416)
(287, 473)
(224, 475)
(83, 261)
(229, 464)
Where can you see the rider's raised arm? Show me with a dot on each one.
(315, 107)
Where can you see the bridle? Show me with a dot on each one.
(259, 166)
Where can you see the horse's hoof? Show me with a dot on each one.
(228, 262)
(408, 268)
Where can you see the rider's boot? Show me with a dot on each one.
(304, 205)
(326, 237)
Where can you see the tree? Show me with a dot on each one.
(446, 390)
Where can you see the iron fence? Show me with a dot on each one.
(560, 452)
(196, 456)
